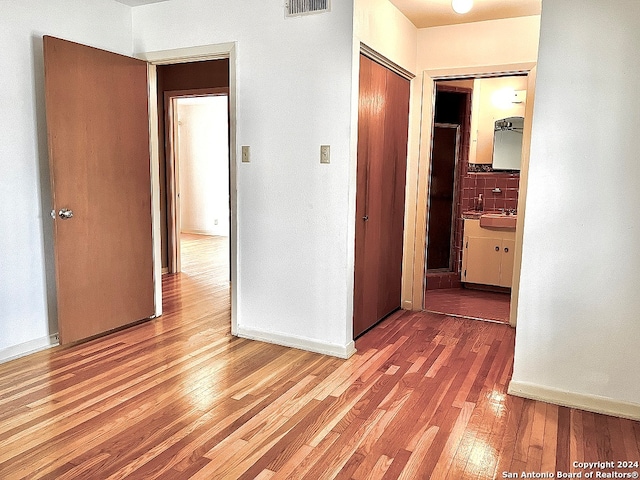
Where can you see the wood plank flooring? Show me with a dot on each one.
(469, 303)
(178, 397)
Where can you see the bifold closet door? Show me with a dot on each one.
(383, 122)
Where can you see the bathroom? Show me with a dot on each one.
(477, 128)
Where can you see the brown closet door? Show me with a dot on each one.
(98, 133)
(383, 120)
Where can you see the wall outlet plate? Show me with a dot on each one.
(325, 154)
(246, 157)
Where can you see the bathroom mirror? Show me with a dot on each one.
(507, 143)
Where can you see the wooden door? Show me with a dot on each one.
(383, 120)
(98, 133)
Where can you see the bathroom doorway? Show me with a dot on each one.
(463, 184)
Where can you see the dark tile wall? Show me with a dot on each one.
(474, 184)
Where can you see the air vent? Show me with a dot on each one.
(296, 8)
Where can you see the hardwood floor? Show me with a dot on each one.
(469, 303)
(178, 397)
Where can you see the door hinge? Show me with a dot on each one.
(466, 245)
(465, 273)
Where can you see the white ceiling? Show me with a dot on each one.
(432, 13)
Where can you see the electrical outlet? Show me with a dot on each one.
(325, 154)
(246, 158)
(215, 221)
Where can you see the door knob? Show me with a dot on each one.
(506, 249)
(497, 248)
(65, 213)
(365, 218)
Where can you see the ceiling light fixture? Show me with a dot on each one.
(461, 6)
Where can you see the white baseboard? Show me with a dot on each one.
(298, 342)
(591, 403)
(32, 346)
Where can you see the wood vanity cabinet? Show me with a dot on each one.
(487, 256)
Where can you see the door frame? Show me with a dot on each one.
(184, 55)
(414, 276)
(173, 168)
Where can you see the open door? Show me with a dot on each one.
(98, 134)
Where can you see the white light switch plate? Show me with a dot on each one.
(246, 157)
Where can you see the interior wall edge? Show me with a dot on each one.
(310, 345)
(412, 194)
(565, 398)
(155, 192)
(420, 208)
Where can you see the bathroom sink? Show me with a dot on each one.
(498, 220)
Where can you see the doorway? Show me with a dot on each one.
(210, 66)
(198, 200)
(479, 187)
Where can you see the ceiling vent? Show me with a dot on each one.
(295, 8)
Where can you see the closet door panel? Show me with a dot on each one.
(396, 125)
(369, 175)
(382, 149)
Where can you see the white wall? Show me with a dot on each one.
(203, 153)
(578, 328)
(294, 94)
(27, 282)
(381, 26)
(493, 42)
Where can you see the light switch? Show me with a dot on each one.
(325, 154)
(246, 158)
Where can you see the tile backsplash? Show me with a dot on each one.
(474, 184)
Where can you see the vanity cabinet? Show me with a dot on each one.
(487, 256)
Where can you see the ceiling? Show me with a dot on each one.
(433, 13)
